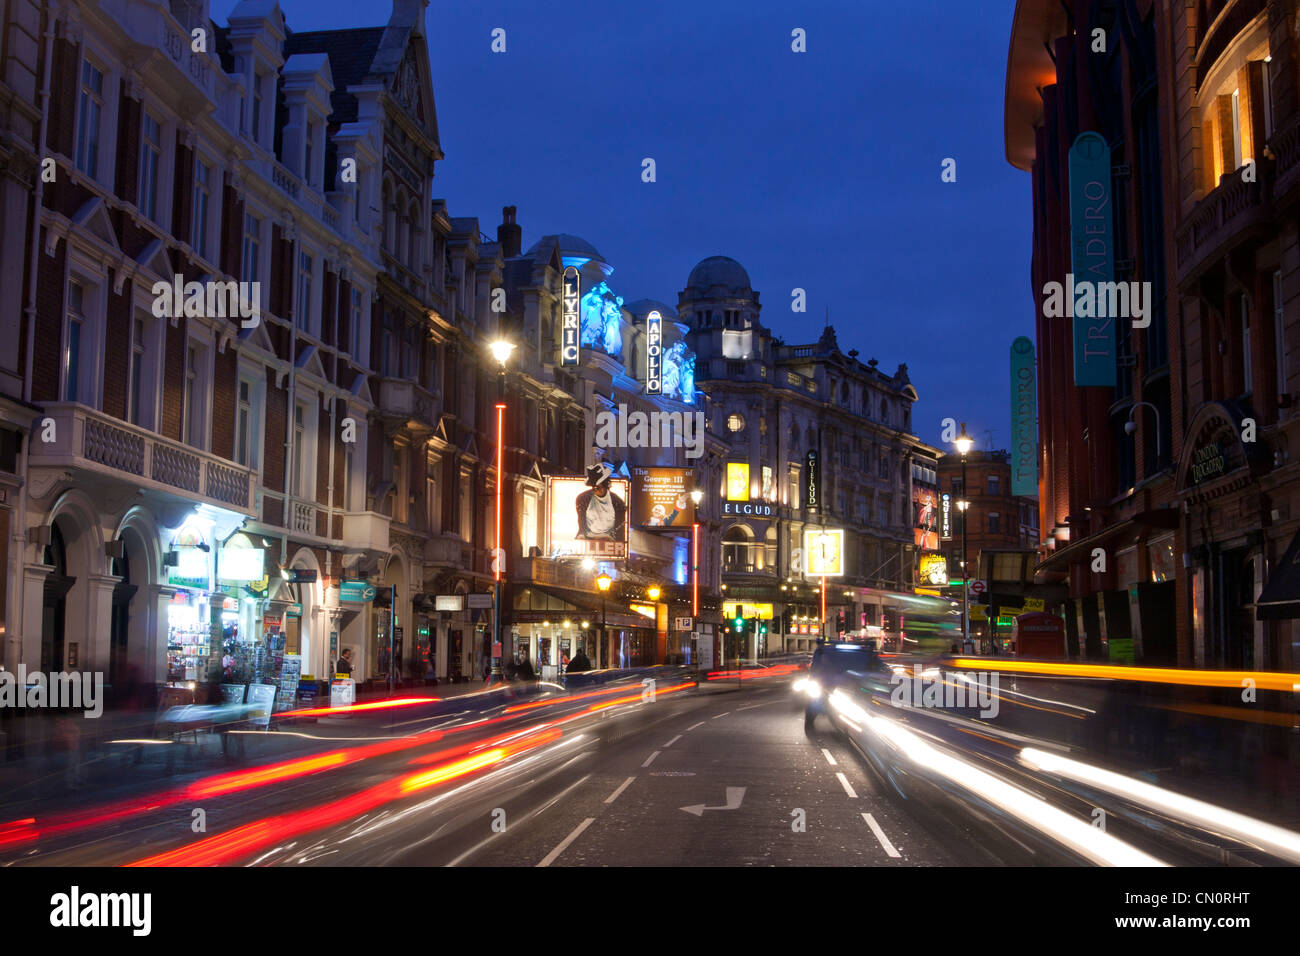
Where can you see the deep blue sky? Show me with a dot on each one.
(819, 170)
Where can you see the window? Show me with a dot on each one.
(354, 330)
(388, 345)
(303, 317)
(994, 484)
(72, 353)
(1247, 380)
(465, 501)
(794, 486)
(202, 194)
(300, 451)
(191, 413)
(133, 404)
(1266, 68)
(1279, 333)
(883, 469)
(252, 248)
(90, 108)
(432, 501)
(883, 513)
(410, 350)
(1236, 129)
(347, 478)
(995, 523)
(246, 425)
(150, 156)
(402, 472)
(958, 488)
(528, 529)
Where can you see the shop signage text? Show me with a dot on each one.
(810, 480)
(654, 325)
(356, 592)
(1092, 257)
(1024, 419)
(1209, 462)
(569, 322)
(755, 510)
(945, 517)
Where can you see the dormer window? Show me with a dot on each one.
(307, 166)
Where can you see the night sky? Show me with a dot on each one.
(818, 170)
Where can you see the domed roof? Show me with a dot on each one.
(570, 246)
(643, 307)
(719, 270)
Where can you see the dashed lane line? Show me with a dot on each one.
(848, 788)
(880, 835)
(830, 758)
(564, 844)
(673, 741)
(650, 759)
(621, 787)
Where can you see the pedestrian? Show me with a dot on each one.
(524, 671)
(344, 664)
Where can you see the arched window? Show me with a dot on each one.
(390, 218)
(413, 236)
(738, 550)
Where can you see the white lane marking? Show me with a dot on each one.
(549, 803)
(693, 726)
(564, 844)
(752, 706)
(650, 759)
(723, 714)
(880, 835)
(621, 787)
(829, 759)
(847, 786)
(673, 741)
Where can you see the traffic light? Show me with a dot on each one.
(740, 623)
(762, 626)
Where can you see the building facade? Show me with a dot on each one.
(820, 444)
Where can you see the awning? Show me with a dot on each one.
(1280, 599)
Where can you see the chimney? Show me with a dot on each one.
(509, 235)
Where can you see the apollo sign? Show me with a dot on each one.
(654, 325)
(569, 323)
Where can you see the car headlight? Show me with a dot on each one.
(812, 688)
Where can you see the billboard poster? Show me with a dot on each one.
(569, 322)
(588, 516)
(737, 481)
(823, 550)
(925, 509)
(654, 368)
(661, 498)
(933, 570)
(1024, 419)
(1092, 257)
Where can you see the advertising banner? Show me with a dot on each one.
(925, 509)
(1092, 256)
(586, 520)
(1024, 419)
(933, 570)
(737, 481)
(823, 552)
(661, 498)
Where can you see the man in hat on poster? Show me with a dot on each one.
(601, 513)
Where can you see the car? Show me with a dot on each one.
(834, 665)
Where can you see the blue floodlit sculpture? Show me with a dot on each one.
(602, 320)
(679, 373)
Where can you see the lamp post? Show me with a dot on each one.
(500, 350)
(603, 581)
(963, 443)
(697, 495)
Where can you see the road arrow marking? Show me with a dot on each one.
(734, 796)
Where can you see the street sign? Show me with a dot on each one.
(302, 576)
(978, 587)
(684, 623)
(478, 600)
(356, 592)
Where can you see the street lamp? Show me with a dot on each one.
(653, 592)
(603, 581)
(963, 443)
(500, 349)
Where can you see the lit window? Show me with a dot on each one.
(246, 426)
